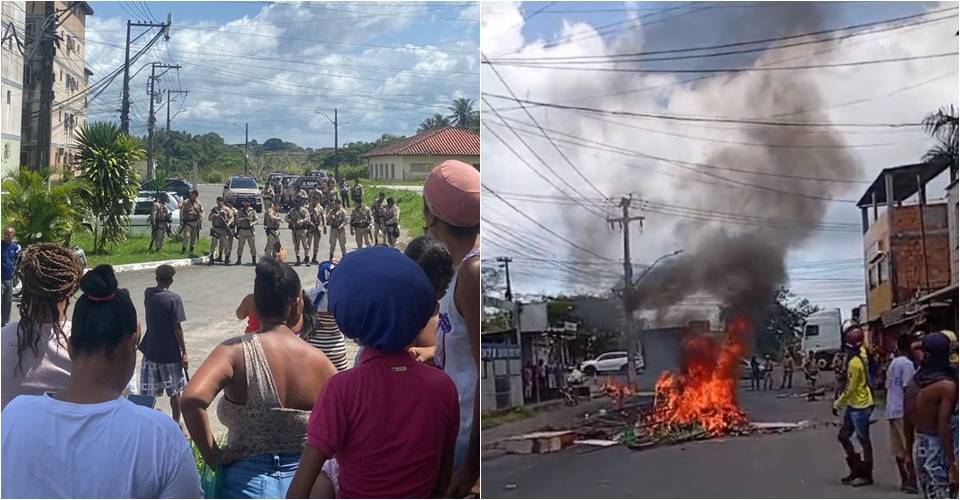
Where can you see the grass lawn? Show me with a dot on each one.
(393, 182)
(134, 250)
(495, 418)
(410, 203)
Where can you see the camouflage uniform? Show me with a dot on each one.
(271, 222)
(221, 217)
(191, 216)
(299, 220)
(245, 222)
(391, 224)
(318, 218)
(378, 208)
(159, 224)
(360, 220)
(356, 193)
(336, 218)
(268, 193)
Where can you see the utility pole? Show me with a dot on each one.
(336, 143)
(166, 142)
(47, 52)
(246, 140)
(506, 264)
(151, 121)
(125, 107)
(624, 222)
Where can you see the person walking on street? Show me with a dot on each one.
(344, 193)
(378, 208)
(755, 372)
(787, 362)
(812, 372)
(85, 440)
(317, 223)
(271, 224)
(856, 402)
(360, 220)
(391, 222)
(356, 193)
(159, 222)
(34, 352)
(10, 254)
(191, 216)
(165, 362)
(899, 374)
(298, 219)
(220, 217)
(451, 214)
(245, 222)
(336, 219)
(767, 373)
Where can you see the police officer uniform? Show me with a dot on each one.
(245, 222)
(159, 222)
(298, 219)
(318, 221)
(336, 218)
(191, 216)
(271, 223)
(378, 209)
(360, 220)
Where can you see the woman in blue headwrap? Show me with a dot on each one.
(390, 422)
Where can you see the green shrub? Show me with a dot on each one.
(351, 172)
(213, 177)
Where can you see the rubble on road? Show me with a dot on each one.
(538, 442)
(802, 394)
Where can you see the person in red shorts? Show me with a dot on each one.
(387, 427)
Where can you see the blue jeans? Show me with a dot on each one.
(258, 476)
(859, 420)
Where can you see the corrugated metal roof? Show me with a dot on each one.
(448, 141)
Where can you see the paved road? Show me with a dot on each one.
(211, 294)
(800, 464)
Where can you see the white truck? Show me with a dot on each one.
(822, 335)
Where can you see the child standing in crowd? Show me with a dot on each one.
(432, 256)
(86, 440)
(165, 363)
(324, 333)
(387, 427)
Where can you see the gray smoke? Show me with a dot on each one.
(741, 264)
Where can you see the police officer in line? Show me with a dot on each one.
(191, 217)
(220, 217)
(245, 222)
(391, 222)
(360, 220)
(298, 219)
(336, 218)
(378, 208)
(317, 222)
(271, 223)
(159, 221)
(356, 193)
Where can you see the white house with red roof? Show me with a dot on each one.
(412, 158)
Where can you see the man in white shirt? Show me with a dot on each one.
(899, 374)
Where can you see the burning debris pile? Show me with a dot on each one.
(703, 394)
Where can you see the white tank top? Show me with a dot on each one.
(454, 356)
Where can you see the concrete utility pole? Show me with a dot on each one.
(246, 140)
(166, 142)
(506, 265)
(125, 107)
(624, 222)
(151, 121)
(47, 52)
(336, 143)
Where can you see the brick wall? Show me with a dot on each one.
(908, 250)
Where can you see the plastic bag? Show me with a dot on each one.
(208, 481)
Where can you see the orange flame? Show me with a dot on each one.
(704, 392)
(618, 391)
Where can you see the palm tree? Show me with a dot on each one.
(435, 121)
(107, 158)
(461, 112)
(41, 213)
(942, 125)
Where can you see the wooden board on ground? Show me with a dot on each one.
(538, 442)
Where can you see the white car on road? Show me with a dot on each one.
(140, 218)
(608, 362)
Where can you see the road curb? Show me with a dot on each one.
(141, 266)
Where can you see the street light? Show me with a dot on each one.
(631, 374)
(651, 266)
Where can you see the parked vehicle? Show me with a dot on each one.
(143, 205)
(311, 183)
(174, 184)
(317, 173)
(609, 362)
(275, 176)
(822, 335)
(238, 188)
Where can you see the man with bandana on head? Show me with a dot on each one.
(934, 454)
(857, 404)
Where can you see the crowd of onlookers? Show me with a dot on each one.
(402, 422)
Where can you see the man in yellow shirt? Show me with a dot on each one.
(857, 404)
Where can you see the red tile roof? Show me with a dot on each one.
(447, 141)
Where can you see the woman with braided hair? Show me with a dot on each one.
(34, 349)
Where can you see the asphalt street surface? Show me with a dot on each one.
(803, 463)
(211, 294)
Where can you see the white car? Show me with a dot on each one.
(140, 218)
(608, 362)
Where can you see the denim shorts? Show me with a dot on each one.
(859, 420)
(258, 476)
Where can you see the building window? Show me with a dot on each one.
(883, 270)
(393, 173)
(872, 275)
(6, 151)
(8, 97)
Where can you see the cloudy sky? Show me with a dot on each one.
(804, 179)
(385, 65)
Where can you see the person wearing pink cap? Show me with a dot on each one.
(451, 213)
